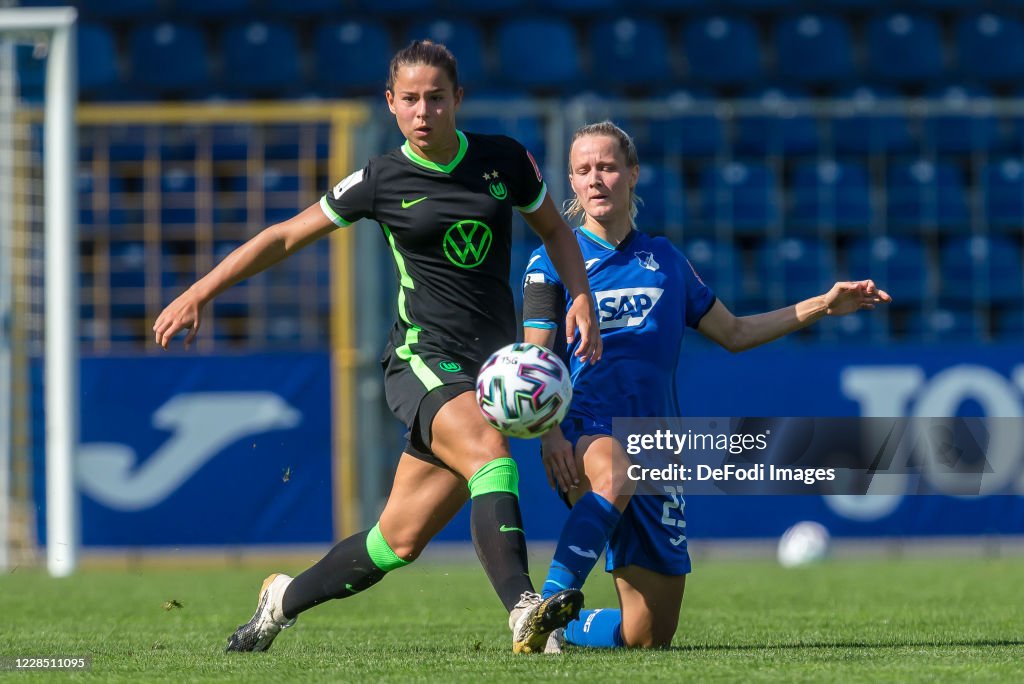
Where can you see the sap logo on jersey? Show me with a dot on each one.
(626, 307)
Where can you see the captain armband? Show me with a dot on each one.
(543, 302)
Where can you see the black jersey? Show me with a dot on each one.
(449, 228)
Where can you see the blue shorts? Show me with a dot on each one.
(652, 531)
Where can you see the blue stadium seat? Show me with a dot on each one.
(793, 269)
(814, 48)
(208, 9)
(898, 265)
(972, 128)
(668, 7)
(925, 195)
(587, 7)
(299, 8)
(904, 48)
(758, 5)
(352, 56)
(105, 9)
(664, 199)
(97, 60)
(847, 5)
(682, 130)
(862, 131)
(280, 179)
(397, 7)
(463, 38)
(741, 196)
(718, 264)
(127, 143)
(527, 129)
(982, 269)
(630, 52)
(785, 132)
(261, 59)
(946, 324)
(538, 53)
(991, 47)
(499, 8)
(178, 199)
(932, 5)
(1002, 185)
(91, 200)
(127, 265)
(722, 50)
(169, 57)
(865, 326)
(827, 195)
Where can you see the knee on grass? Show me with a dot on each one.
(649, 636)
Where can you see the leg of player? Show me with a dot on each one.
(424, 498)
(648, 615)
(597, 504)
(462, 439)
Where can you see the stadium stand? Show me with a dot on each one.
(909, 193)
(814, 49)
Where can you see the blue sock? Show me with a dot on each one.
(601, 628)
(583, 538)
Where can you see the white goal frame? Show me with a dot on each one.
(60, 154)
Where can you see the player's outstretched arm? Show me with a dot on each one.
(746, 332)
(565, 255)
(265, 249)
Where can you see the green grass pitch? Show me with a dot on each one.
(844, 620)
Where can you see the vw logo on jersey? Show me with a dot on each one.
(646, 260)
(467, 243)
(626, 307)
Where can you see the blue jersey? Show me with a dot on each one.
(646, 294)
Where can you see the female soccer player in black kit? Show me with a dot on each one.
(444, 203)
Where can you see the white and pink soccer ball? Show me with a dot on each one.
(523, 390)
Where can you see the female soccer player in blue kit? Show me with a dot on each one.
(646, 293)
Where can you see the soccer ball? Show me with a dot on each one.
(523, 390)
(804, 543)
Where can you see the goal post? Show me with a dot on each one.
(56, 28)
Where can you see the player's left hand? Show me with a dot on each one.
(848, 297)
(582, 317)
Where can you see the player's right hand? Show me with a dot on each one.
(559, 460)
(181, 314)
(582, 317)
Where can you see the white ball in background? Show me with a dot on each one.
(804, 543)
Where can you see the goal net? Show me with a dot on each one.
(38, 301)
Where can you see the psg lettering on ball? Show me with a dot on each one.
(523, 390)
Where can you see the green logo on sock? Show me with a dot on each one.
(350, 588)
(506, 528)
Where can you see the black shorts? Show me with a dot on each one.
(418, 385)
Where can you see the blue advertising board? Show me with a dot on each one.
(180, 450)
(191, 450)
